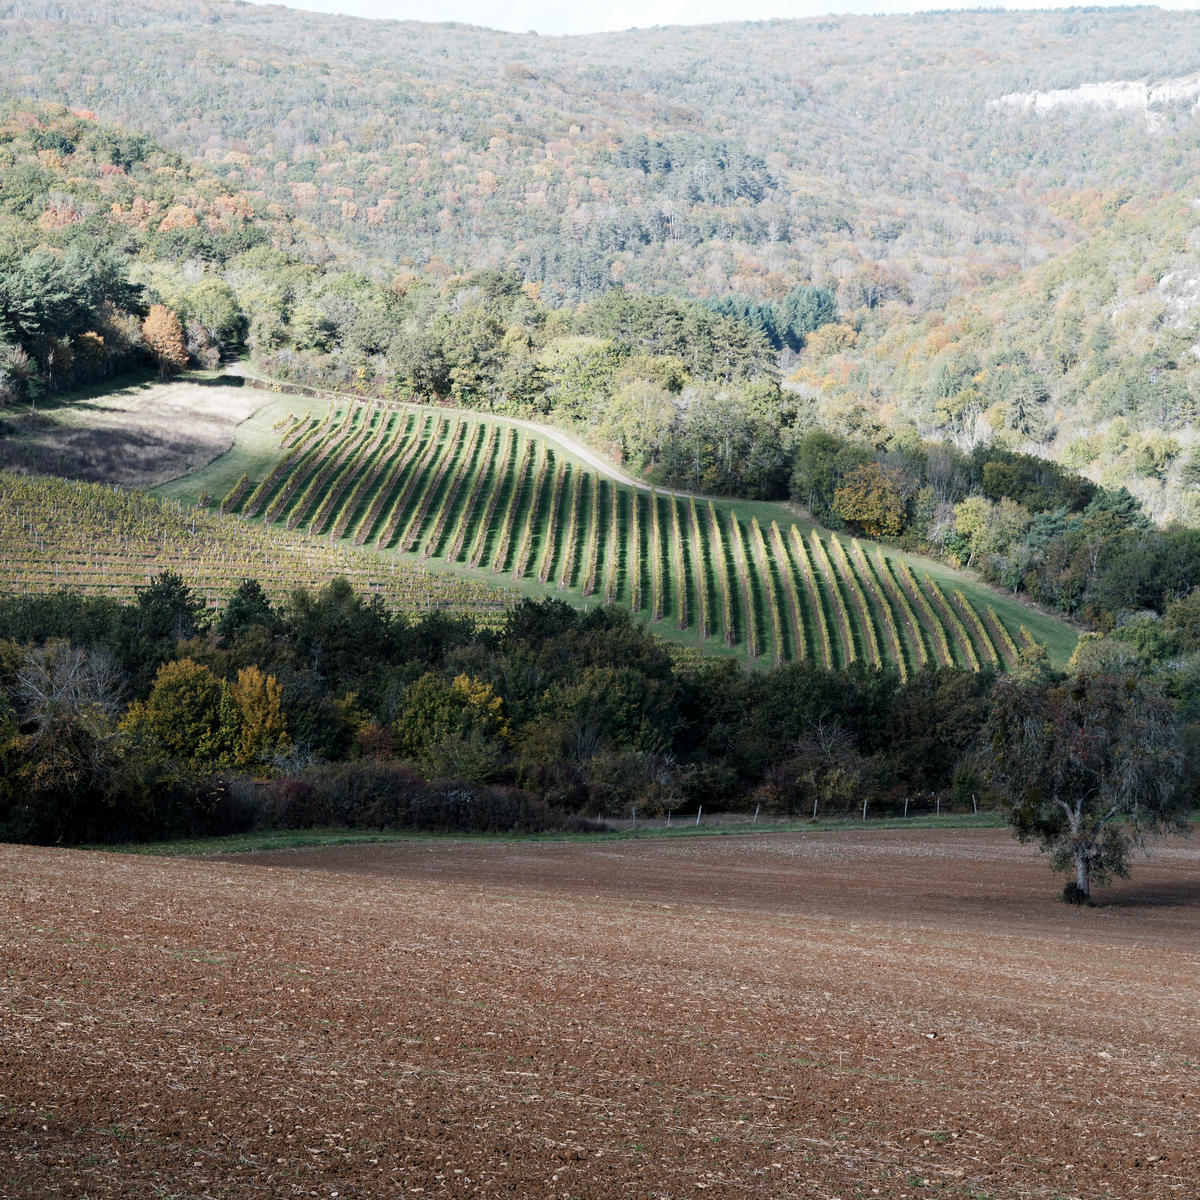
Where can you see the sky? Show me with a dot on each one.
(595, 16)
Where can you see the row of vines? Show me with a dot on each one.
(501, 504)
(59, 534)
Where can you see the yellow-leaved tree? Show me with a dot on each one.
(262, 727)
(455, 730)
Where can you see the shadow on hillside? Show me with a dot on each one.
(218, 381)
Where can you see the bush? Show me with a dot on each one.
(372, 794)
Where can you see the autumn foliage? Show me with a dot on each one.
(163, 334)
(873, 498)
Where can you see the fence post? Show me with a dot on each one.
(699, 810)
(906, 806)
(756, 808)
(633, 809)
(864, 810)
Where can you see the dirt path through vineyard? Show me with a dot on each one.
(812, 1015)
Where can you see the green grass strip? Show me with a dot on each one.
(341, 453)
(804, 564)
(612, 548)
(766, 572)
(679, 566)
(592, 546)
(413, 481)
(297, 448)
(497, 469)
(795, 608)
(932, 622)
(1012, 655)
(720, 566)
(879, 603)
(841, 611)
(235, 495)
(916, 635)
(483, 469)
(741, 566)
(850, 583)
(634, 552)
(973, 622)
(656, 560)
(450, 456)
(532, 512)
(952, 620)
(362, 461)
(549, 548)
(508, 520)
(297, 479)
(363, 489)
(394, 479)
(700, 574)
(572, 527)
(464, 469)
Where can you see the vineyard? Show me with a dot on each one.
(486, 502)
(102, 540)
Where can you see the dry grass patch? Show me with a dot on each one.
(140, 435)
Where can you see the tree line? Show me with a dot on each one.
(160, 718)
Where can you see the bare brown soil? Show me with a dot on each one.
(140, 435)
(816, 1015)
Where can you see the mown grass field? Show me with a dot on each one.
(492, 501)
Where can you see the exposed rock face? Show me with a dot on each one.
(1113, 96)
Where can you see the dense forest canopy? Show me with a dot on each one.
(974, 225)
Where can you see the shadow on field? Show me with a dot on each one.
(1171, 895)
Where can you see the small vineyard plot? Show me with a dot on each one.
(491, 499)
(86, 537)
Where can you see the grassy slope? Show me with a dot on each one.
(256, 448)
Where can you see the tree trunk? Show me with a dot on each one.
(1083, 871)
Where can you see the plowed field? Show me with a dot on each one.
(829, 1014)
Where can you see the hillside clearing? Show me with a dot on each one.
(139, 435)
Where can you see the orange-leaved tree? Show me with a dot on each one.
(163, 335)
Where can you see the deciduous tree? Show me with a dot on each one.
(1088, 768)
(164, 338)
(874, 497)
(261, 726)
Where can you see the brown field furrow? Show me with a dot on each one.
(907, 1015)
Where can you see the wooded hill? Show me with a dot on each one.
(1014, 269)
(114, 241)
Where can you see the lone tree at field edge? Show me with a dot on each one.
(1089, 768)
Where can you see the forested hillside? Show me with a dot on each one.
(994, 248)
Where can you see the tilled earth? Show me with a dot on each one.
(903, 1015)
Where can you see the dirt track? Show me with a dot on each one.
(810, 1016)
